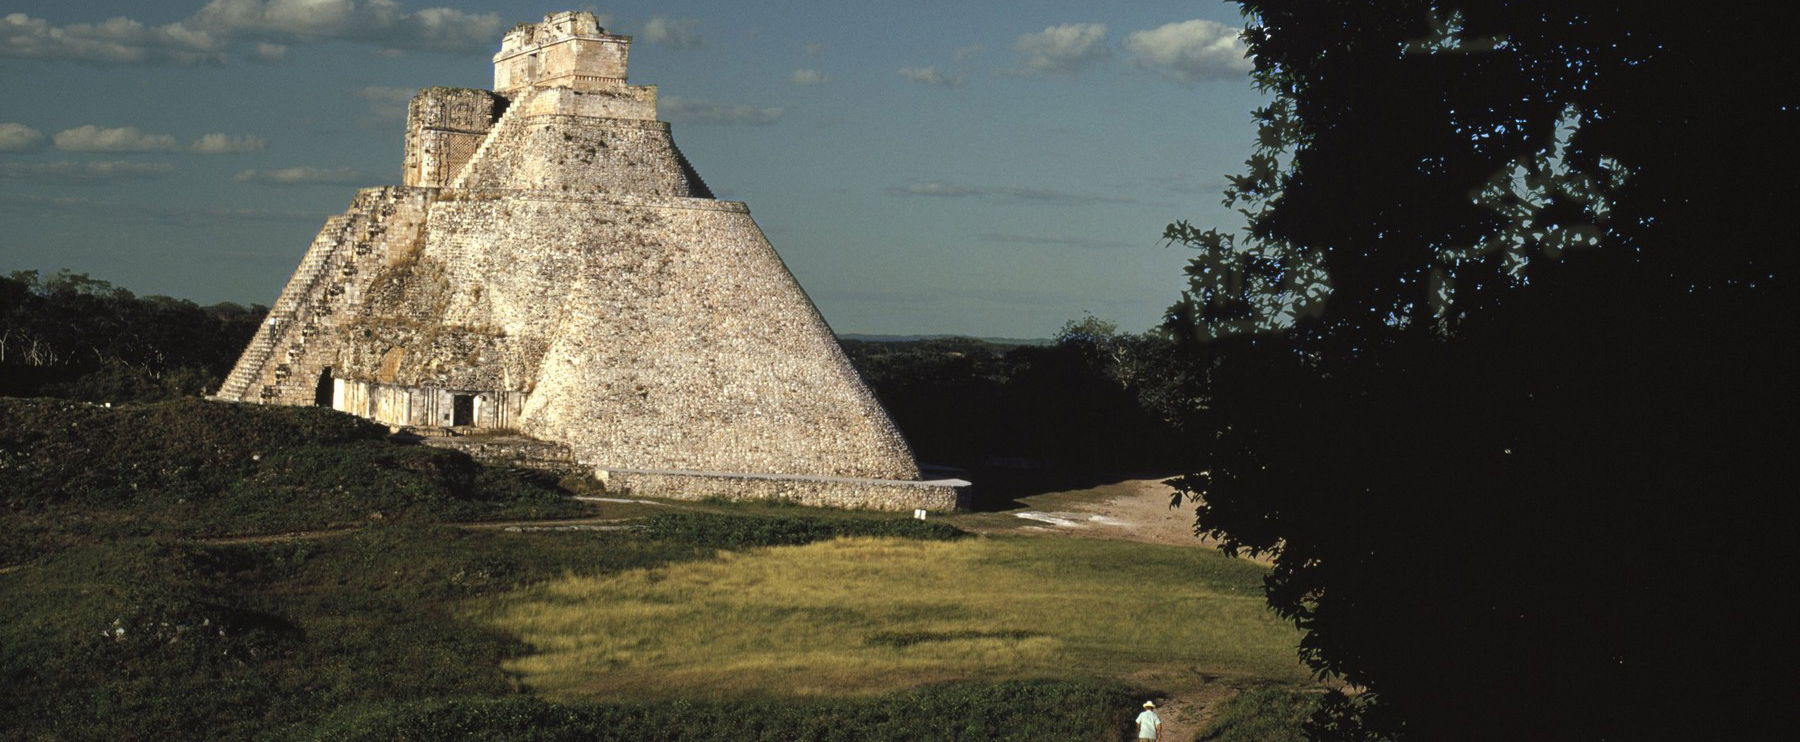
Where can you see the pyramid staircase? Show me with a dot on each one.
(277, 366)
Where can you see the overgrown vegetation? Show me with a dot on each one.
(69, 335)
(75, 473)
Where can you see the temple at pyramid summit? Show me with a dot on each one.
(554, 269)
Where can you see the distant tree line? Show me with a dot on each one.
(1093, 402)
(74, 336)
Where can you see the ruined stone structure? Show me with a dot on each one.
(553, 266)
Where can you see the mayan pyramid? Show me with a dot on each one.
(554, 267)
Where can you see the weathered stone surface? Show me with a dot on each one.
(556, 268)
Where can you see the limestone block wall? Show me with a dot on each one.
(444, 127)
(555, 266)
(649, 333)
(688, 345)
(428, 406)
(299, 340)
(581, 155)
(569, 49)
(862, 495)
(636, 102)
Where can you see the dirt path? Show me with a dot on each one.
(1131, 510)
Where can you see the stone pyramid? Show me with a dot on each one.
(554, 267)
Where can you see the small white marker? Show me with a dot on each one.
(920, 514)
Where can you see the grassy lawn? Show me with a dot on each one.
(854, 617)
(151, 587)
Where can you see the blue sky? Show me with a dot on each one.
(972, 167)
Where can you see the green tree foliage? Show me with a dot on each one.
(1494, 373)
(1094, 402)
(70, 335)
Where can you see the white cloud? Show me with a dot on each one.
(114, 41)
(387, 102)
(930, 76)
(1190, 51)
(378, 22)
(92, 138)
(20, 138)
(271, 24)
(1063, 50)
(809, 77)
(225, 144)
(302, 176)
(671, 32)
(699, 113)
(950, 190)
(268, 53)
(84, 172)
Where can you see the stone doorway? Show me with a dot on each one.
(322, 392)
(462, 410)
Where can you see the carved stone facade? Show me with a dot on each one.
(555, 267)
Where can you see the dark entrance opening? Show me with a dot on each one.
(462, 409)
(322, 392)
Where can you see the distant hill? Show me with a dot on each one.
(1032, 342)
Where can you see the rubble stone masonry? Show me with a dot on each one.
(555, 267)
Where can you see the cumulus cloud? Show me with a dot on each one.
(225, 144)
(379, 22)
(20, 138)
(387, 102)
(270, 24)
(938, 189)
(268, 53)
(114, 41)
(303, 175)
(949, 190)
(808, 77)
(699, 113)
(930, 76)
(92, 138)
(83, 172)
(1063, 50)
(1190, 51)
(671, 32)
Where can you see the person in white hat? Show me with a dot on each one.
(1148, 723)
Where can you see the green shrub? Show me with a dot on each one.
(73, 473)
(1015, 710)
(1269, 714)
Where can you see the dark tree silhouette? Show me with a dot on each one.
(71, 335)
(1496, 371)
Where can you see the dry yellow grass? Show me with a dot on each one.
(862, 616)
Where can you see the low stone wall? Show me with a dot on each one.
(862, 494)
